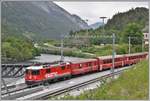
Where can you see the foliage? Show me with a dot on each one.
(18, 49)
(133, 31)
(131, 22)
(67, 52)
(107, 49)
(120, 20)
(129, 86)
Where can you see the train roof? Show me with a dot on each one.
(83, 60)
(58, 64)
(110, 56)
(117, 56)
(35, 67)
(133, 54)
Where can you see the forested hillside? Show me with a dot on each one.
(130, 23)
(138, 15)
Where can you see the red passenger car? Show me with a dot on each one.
(84, 66)
(134, 58)
(106, 61)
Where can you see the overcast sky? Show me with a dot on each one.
(93, 10)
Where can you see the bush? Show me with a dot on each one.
(18, 49)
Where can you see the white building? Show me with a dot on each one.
(146, 38)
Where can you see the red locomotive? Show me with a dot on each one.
(46, 73)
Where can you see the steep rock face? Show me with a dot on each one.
(38, 20)
(80, 22)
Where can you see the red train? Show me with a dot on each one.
(46, 73)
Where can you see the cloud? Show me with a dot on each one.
(93, 10)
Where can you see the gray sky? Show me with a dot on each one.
(93, 10)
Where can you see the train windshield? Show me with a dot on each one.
(27, 71)
(35, 72)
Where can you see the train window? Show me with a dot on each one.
(107, 61)
(80, 65)
(90, 64)
(62, 67)
(35, 72)
(96, 63)
(27, 71)
(48, 70)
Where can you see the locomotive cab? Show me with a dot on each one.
(33, 74)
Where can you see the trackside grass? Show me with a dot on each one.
(132, 85)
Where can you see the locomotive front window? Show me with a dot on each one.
(48, 70)
(62, 67)
(27, 71)
(35, 72)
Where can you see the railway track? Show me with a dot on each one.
(8, 87)
(25, 91)
(14, 90)
(12, 86)
(59, 92)
(21, 93)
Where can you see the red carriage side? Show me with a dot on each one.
(106, 61)
(84, 66)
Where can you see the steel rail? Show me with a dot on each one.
(9, 87)
(22, 93)
(22, 88)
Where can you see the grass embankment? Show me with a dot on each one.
(132, 84)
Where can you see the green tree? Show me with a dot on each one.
(18, 49)
(134, 31)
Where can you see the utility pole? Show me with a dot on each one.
(103, 25)
(62, 47)
(113, 55)
(103, 18)
(129, 44)
(86, 36)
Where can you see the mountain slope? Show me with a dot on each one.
(37, 20)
